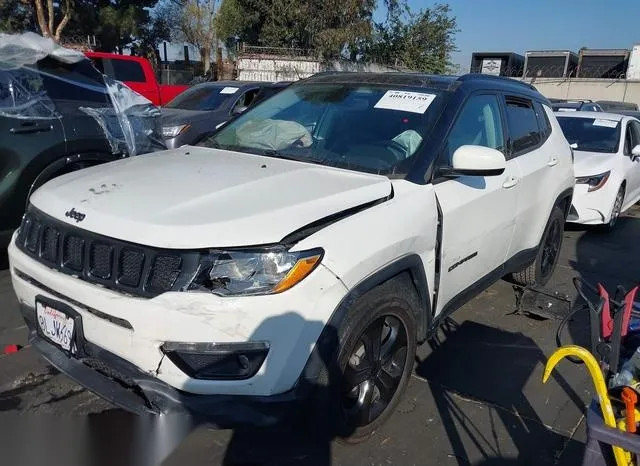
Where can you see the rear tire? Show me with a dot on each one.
(374, 360)
(546, 259)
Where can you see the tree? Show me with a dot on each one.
(116, 24)
(331, 27)
(47, 22)
(16, 16)
(341, 27)
(422, 41)
(197, 23)
(430, 40)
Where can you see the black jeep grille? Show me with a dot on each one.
(112, 263)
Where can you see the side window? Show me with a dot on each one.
(244, 101)
(628, 139)
(127, 70)
(22, 93)
(479, 123)
(543, 120)
(73, 85)
(632, 137)
(265, 93)
(97, 62)
(523, 125)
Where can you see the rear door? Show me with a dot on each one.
(478, 218)
(76, 91)
(530, 148)
(30, 134)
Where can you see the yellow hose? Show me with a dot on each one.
(601, 389)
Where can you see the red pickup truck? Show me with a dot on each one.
(137, 73)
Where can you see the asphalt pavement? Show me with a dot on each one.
(476, 396)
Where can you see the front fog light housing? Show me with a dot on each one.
(256, 271)
(217, 361)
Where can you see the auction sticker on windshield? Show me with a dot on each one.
(229, 90)
(605, 123)
(55, 325)
(405, 101)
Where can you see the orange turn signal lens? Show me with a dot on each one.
(298, 272)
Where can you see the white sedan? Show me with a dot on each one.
(606, 165)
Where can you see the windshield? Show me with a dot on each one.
(205, 97)
(591, 134)
(363, 127)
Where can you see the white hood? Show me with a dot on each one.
(592, 163)
(194, 197)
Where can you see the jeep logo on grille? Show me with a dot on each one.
(74, 214)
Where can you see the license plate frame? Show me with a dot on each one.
(77, 335)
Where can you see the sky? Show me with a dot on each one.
(519, 25)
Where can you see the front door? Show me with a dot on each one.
(478, 218)
(633, 165)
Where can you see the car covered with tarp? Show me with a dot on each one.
(59, 114)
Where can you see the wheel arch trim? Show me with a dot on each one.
(326, 344)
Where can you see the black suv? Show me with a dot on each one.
(56, 118)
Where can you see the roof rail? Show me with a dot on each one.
(480, 76)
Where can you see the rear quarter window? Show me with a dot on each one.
(543, 120)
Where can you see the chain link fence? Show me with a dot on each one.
(81, 43)
(260, 51)
(177, 73)
(561, 71)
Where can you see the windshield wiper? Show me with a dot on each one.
(278, 154)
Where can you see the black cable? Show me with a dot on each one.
(561, 327)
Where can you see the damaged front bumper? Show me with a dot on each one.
(125, 386)
(126, 353)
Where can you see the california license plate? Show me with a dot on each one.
(55, 325)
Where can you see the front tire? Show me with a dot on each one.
(542, 268)
(616, 210)
(376, 350)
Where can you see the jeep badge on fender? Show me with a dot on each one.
(74, 214)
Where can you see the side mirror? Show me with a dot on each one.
(478, 161)
(574, 145)
(635, 152)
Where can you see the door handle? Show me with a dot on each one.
(31, 127)
(510, 182)
(553, 162)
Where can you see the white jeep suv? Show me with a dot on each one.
(301, 250)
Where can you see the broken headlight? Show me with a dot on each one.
(253, 271)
